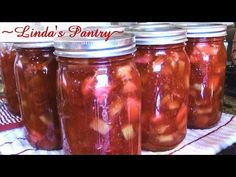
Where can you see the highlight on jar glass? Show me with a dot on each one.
(35, 71)
(7, 59)
(165, 70)
(207, 54)
(99, 95)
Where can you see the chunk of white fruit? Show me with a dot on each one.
(100, 126)
(116, 107)
(197, 87)
(128, 131)
(200, 102)
(156, 65)
(204, 110)
(173, 105)
(124, 72)
(165, 138)
(45, 119)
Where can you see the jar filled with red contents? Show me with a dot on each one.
(35, 71)
(99, 94)
(165, 70)
(207, 54)
(7, 58)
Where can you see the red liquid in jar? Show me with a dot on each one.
(165, 72)
(36, 81)
(208, 62)
(7, 58)
(99, 105)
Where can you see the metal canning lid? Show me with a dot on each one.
(198, 30)
(158, 35)
(95, 47)
(33, 44)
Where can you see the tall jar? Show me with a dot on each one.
(165, 70)
(208, 56)
(35, 71)
(99, 95)
(7, 59)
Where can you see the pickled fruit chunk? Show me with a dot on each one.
(133, 109)
(116, 107)
(173, 105)
(197, 87)
(204, 110)
(124, 72)
(206, 49)
(156, 65)
(100, 126)
(45, 120)
(128, 132)
(165, 138)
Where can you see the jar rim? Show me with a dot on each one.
(206, 30)
(158, 35)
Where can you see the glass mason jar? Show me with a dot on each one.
(207, 54)
(35, 71)
(165, 70)
(99, 94)
(7, 57)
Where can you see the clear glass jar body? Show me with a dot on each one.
(35, 71)
(99, 103)
(165, 72)
(208, 62)
(7, 57)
